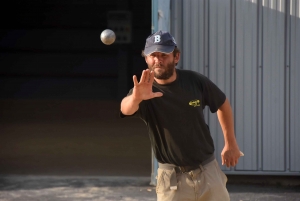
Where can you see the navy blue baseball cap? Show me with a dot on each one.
(161, 41)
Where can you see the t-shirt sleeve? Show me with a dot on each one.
(213, 95)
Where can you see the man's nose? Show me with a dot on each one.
(157, 58)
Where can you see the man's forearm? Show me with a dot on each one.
(129, 105)
(230, 153)
(225, 117)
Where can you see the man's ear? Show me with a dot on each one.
(177, 57)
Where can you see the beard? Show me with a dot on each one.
(163, 72)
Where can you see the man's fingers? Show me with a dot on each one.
(151, 79)
(135, 81)
(143, 76)
(146, 76)
(229, 162)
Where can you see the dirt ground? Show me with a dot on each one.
(71, 137)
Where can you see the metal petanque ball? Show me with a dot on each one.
(108, 37)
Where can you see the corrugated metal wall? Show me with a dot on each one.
(250, 49)
(293, 74)
(244, 64)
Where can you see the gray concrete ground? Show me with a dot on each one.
(95, 188)
(45, 188)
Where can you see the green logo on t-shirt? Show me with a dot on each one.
(194, 103)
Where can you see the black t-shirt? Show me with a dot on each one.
(175, 121)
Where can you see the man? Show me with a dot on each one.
(171, 101)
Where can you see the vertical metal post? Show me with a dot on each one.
(160, 21)
(154, 26)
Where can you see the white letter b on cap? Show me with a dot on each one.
(157, 39)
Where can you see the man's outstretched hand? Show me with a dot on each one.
(143, 90)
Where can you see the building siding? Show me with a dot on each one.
(250, 49)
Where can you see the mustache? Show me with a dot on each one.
(157, 65)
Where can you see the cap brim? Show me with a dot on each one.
(159, 48)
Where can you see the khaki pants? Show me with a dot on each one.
(207, 183)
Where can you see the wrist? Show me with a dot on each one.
(136, 100)
(230, 141)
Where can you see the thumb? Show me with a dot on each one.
(157, 94)
(223, 160)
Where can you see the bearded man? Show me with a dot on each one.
(171, 101)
